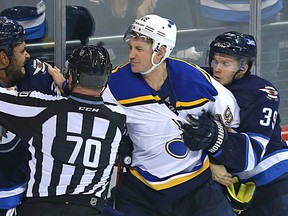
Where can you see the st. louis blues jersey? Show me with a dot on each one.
(160, 158)
(257, 152)
(14, 156)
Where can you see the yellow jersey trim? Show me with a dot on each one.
(173, 181)
(139, 99)
(191, 103)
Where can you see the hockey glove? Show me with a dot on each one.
(204, 133)
(125, 151)
(240, 195)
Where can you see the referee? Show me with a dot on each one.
(72, 141)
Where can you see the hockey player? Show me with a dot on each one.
(157, 93)
(256, 152)
(16, 69)
(73, 141)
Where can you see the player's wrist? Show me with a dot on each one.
(220, 139)
(65, 89)
(64, 83)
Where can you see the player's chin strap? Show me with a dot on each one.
(153, 64)
(240, 194)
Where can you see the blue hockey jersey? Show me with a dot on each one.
(13, 155)
(260, 129)
(257, 152)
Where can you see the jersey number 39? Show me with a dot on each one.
(269, 116)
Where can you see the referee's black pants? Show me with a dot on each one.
(55, 209)
(67, 205)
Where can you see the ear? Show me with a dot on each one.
(244, 68)
(70, 76)
(242, 71)
(160, 54)
(4, 60)
(162, 50)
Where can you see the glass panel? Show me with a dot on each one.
(274, 56)
(198, 22)
(37, 19)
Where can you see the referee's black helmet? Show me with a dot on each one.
(11, 35)
(90, 66)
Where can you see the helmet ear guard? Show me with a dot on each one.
(240, 194)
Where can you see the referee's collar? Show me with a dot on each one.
(86, 99)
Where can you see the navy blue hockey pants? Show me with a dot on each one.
(138, 199)
(270, 199)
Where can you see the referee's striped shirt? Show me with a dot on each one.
(72, 141)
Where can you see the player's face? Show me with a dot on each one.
(16, 70)
(224, 68)
(140, 54)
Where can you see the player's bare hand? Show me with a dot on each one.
(56, 75)
(220, 174)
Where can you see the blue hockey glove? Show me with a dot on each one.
(204, 133)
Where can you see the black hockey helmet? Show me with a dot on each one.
(90, 66)
(78, 17)
(11, 35)
(232, 43)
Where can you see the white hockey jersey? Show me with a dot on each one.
(160, 158)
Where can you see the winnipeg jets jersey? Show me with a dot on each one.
(13, 157)
(160, 158)
(257, 152)
(258, 149)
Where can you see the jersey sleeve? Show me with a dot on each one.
(19, 109)
(108, 96)
(259, 117)
(37, 78)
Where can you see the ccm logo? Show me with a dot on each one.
(88, 109)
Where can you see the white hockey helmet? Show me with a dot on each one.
(161, 30)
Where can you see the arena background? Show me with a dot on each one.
(70, 23)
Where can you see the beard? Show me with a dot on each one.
(14, 75)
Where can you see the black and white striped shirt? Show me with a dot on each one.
(72, 141)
